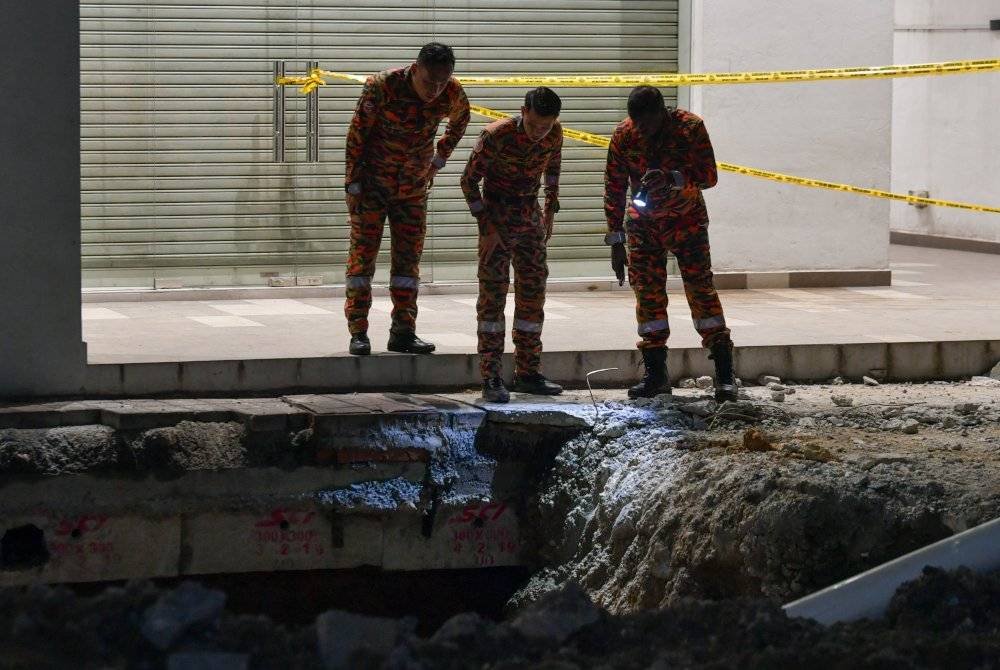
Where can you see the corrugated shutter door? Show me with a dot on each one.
(178, 178)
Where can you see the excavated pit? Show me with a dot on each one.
(661, 512)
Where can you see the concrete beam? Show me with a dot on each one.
(248, 505)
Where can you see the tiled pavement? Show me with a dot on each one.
(936, 295)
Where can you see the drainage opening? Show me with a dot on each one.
(23, 547)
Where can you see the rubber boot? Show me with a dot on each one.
(360, 345)
(725, 378)
(656, 380)
(494, 390)
(535, 383)
(408, 343)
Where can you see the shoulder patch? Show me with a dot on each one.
(368, 106)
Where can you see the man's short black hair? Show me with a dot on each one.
(436, 53)
(543, 101)
(643, 101)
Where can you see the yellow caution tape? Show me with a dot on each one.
(847, 188)
(315, 79)
(706, 78)
(601, 141)
(697, 79)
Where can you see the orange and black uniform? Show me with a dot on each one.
(390, 149)
(512, 230)
(676, 222)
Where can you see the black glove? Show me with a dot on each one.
(619, 259)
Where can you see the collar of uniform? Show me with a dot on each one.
(408, 76)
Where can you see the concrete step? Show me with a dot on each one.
(900, 361)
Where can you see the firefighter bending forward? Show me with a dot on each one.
(391, 163)
(510, 158)
(665, 156)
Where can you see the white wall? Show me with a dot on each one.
(946, 130)
(837, 131)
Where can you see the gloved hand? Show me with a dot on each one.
(354, 198)
(619, 259)
(548, 220)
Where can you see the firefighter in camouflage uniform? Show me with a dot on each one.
(665, 157)
(511, 158)
(391, 163)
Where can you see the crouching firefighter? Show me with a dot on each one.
(665, 157)
(511, 157)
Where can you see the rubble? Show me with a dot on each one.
(842, 400)
(941, 619)
(189, 606)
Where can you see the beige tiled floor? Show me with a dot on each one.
(937, 295)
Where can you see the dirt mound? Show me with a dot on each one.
(643, 513)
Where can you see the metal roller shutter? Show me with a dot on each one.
(178, 178)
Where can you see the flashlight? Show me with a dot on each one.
(640, 198)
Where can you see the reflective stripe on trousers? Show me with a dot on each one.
(710, 322)
(358, 281)
(527, 326)
(404, 282)
(653, 326)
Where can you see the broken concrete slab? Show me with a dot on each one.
(342, 635)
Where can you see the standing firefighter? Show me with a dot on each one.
(511, 156)
(665, 156)
(391, 163)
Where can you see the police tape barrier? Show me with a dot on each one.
(317, 77)
(601, 141)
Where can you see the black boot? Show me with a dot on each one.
(360, 345)
(655, 381)
(407, 342)
(725, 378)
(536, 384)
(494, 390)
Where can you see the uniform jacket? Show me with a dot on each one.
(512, 165)
(683, 145)
(392, 133)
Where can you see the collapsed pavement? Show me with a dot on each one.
(775, 500)
(645, 504)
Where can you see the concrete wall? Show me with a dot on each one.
(41, 348)
(836, 131)
(946, 130)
